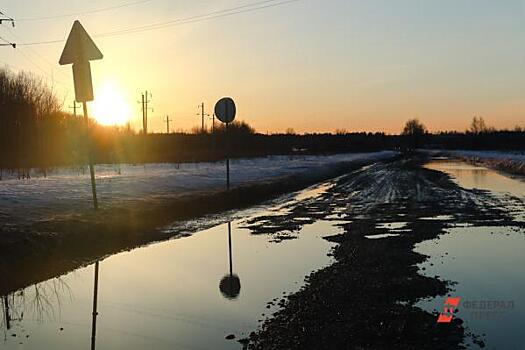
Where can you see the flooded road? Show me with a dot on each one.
(171, 295)
(479, 177)
(219, 283)
(487, 262)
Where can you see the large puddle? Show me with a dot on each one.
(196, 291)
(187, 293)
(487, 263)
(472, 176)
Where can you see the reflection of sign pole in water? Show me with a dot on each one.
(95, 313)
(79, 50)
(230, 246)
(230, 285)
(225, 111)
(6, 310)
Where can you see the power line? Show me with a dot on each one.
(259, 5)
(7, 43)
(28, 58)
(200, 18)
(35, 53)
(43, 42)
(49, 76)
(188, 19)
(73, 14)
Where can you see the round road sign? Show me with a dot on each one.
(225, 110)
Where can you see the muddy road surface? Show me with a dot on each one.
(366, 299)
(362, 233)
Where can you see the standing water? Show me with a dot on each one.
(179, 294)
(486, 262)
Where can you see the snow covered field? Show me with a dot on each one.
(65, 190)
(511, 162)
(496, 155)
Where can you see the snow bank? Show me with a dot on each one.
(67, 190)
(511, 162)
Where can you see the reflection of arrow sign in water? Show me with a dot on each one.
(225, 111)
(79, 50)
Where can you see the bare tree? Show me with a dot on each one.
(478, 126)
(414, 132)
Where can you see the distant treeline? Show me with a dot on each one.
(479, 136)
(35, 133)
(197, 147)
(491, 140)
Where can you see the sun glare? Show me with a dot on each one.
(109, 106)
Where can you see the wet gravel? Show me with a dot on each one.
(365, 300)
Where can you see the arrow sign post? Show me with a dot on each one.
(79, 50)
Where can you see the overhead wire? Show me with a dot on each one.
(30, 57)
(7, 43)
(258, 5)
(80, 13)
(187, 19)
(26, 57)
(254, 6)
(33, 51)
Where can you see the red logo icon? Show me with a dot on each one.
(448, 310)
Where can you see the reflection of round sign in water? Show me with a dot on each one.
(230, 286)
(225, 110)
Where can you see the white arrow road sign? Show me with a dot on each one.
(79, 50)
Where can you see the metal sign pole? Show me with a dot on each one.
(225, 111)
(79, 51)
(90, 158)
(227, 158)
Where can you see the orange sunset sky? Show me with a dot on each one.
(310, 65)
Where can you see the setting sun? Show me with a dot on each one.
(110, 107)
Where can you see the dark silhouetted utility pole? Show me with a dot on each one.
(145, 100)
(168, 120)
(74, 108)
(6, 18)
(202, 114)
(144, 126)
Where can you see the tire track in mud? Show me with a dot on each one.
(365, 300)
